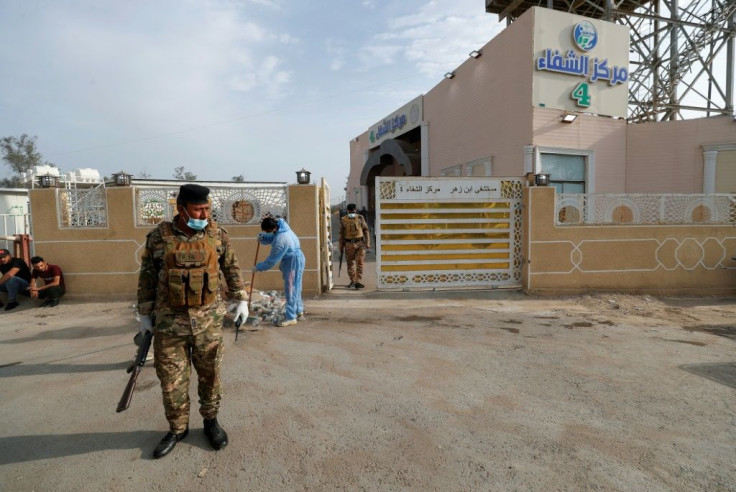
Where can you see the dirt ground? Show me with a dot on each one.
(482, 390)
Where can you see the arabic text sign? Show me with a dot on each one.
(406, 118)
(572, 64)
(455, 189)
(578, 68)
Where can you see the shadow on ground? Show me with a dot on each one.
(18, 449)
(718, 372)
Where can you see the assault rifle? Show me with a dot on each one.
(342, 252)
(135, 369)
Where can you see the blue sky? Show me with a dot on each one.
(260, 88)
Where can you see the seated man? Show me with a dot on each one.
(53, 282)
(16, 277)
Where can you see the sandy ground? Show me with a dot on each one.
(489, 390)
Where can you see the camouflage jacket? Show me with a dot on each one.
(355, 228)
(153, 290)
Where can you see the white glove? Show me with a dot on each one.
(241, 312)
(146, 326)
(146, 323)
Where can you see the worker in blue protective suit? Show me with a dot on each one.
(286, 249)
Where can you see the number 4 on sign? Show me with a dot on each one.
(581, 94)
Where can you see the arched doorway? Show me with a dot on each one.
(392, 158)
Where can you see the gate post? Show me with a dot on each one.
(304, 220)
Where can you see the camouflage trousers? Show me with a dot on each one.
(355, 254)
(173, 357)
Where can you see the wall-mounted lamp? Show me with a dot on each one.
(541, 179)
(121, 178)
(568, 117)
(475, 53)
(48, 181)
(450, 75)
(302, 177)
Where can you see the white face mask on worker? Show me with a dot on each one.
(351, 215)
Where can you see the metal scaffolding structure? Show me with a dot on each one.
(681, 53)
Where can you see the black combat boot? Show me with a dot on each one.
(168, 443)
(215, 433)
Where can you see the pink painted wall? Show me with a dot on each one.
(358, 147)
(606, 137)
(667, 157)
(486, 109)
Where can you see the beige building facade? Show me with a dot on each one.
(487, 120)
(548, 95)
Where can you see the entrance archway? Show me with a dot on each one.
(392, 158)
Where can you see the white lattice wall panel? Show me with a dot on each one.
(600, 208)
(235, 205)
(81, 208)
(448, 232)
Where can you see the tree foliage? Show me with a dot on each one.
(181, 174)
(238, 179)
(21, 155)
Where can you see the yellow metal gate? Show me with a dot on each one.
(448, 232)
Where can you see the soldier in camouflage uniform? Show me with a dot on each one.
(179, 299)
(355, 239)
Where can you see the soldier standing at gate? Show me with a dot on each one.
(179, 300)
(355, 239)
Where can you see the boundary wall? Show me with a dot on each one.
(105, 261)
(690, 259)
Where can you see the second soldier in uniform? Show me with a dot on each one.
(354, 240)
(179, 299)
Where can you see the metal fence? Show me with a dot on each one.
(635, 209)
(12, 224)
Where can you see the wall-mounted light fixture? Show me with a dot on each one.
(450, 75)
(541, 179)
(475, 54)
(568, 117)
(302, 177)
(121, 178)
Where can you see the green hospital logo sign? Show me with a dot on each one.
(585, 35)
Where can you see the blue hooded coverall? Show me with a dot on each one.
(285, 247)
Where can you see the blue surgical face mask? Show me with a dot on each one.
(351, 215)
(196, 224)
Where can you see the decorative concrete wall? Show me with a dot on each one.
(104, 261)
(655, 259)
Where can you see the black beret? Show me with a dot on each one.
(193, 193)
